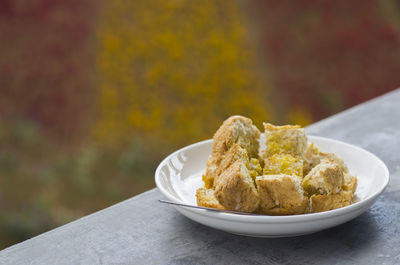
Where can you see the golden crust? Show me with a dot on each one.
(281, 191)
(235, 189)
(325, 178)
(206, 198)
(288, 139)
(322, 203)
(271, 127)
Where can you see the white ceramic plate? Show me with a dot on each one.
(179, 176)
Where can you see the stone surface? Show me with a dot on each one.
(142, 231)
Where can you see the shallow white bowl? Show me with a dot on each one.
(179, 176)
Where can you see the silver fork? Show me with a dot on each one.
(207, 208)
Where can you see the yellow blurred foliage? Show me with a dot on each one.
(299, 116)
(174, 70)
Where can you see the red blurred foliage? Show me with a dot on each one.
(46, 63)
(329, 55)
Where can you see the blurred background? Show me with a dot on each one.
(95, 93)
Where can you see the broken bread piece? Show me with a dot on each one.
(238, 153)
(281, 194)
(235, 189)
(206, 198)
(322, 203)
(287, 139)
(235, 130)
(313, 156)
(283, 164)
(325, 178)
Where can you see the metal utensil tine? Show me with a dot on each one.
(206, 208)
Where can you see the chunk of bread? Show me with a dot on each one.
(287, 139)
(235, 189)
(349, 183)
(206, 198)
(283, 164)
(313, 156)
(238, 153)
(283, 193)
(321, 203)
(325, 178)
(236, 129)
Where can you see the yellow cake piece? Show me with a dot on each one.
(287, 139)
(283, 164)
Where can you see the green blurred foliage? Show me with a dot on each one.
(44, 184)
